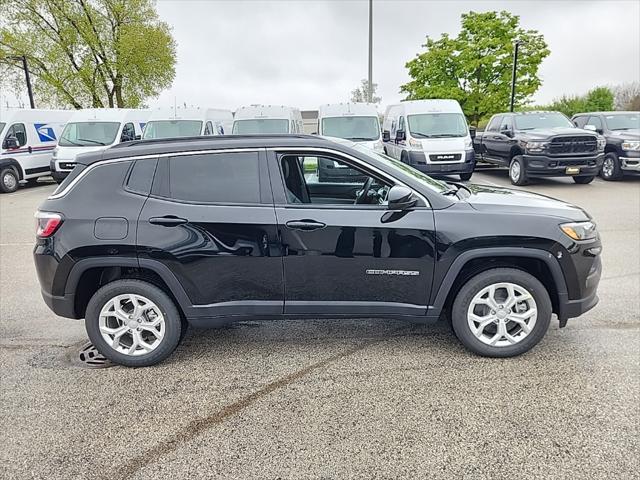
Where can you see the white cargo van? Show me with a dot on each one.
(257, 119)
(358, 122)
(28, 139)
(430, 135)
(187, 122)
(94, 129)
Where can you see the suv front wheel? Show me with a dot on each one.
(502, 312)
(133, 323)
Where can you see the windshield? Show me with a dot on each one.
(260, 125)
(172, 128)
(438, 125)
(358, 129)
(424, 179)
(86, 134)
(531, 121)
(621, 121)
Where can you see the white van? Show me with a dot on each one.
(28, 139)
(358, 122)
(187, 122)
(93, 129)
(430, 135)
(258, 119)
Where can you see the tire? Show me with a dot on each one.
(611, 170)
(525, 285)
(9, 180)
(583, 180)
(466, 176)
(517, 173)
(404, 157)
(160, 305)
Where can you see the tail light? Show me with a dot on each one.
(47, 223)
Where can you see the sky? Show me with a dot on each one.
(307, 52)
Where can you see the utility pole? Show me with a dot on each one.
(516, 45)
(27, 77)
(370, 92)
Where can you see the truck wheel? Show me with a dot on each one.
(466, 176)
(584, 180)
(8, 180)
(611, 170)
(133, 323)
(501, 312)
(517, 173)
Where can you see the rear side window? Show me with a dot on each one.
(141, 176)
(215, 178)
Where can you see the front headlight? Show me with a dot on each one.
(580, 230)
(415, 143)
(468, 144)
(535, 147)
(602, 142)
(631, 145)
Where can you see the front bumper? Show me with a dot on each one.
(418, 161)
(58, 173)
(544, 166)
(582, 270)
(630, 162)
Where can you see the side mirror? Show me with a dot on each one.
(507, 132)
(472, 132)
(591, 128)
(386, 136)
(401, 198)
(10, 143)
(400, 136)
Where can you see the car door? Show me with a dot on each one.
(504, 140)
(210, 222)
(344, 258)
(491, 138)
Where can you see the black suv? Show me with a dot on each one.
(145, 238)
(622, 133)
(540, 144)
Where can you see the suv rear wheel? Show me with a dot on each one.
(502, 312)
(133, 323)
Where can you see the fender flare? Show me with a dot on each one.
(462, 259)
(12, 162)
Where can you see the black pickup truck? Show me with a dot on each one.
(621, 131)
(540, 144)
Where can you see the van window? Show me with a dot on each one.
(401, 124)
(260, 125)
(438, 125)
(128, 133)
(18, 131)
(215, 178)
(208, 129)
(358, 129)
(86, 134)
(172, 128)
(494, 124)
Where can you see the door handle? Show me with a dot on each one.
(168, 221)
(497, 137)
(305, 225)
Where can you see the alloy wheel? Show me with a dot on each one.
(607, 167)
(515, 171)
(132, 324)
(502, 314)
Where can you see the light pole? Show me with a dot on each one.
(516, 45)
(370, 92)
(27, 78)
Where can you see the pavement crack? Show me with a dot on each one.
(200, 425)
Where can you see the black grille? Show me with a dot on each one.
(581, 144)
(445, 157)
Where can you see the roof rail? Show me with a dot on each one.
(154, 141)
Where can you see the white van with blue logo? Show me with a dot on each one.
(94, 129)
(28, 139)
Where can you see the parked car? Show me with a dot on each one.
(94, 129)
(357, 122)
(145, 238)
(622, 133)
(540, 144)
(260, 119)
(430, 135)
(187, 122)
(28, 140)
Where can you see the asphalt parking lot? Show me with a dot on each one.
(329, 399)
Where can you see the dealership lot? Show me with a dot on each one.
(329, 399)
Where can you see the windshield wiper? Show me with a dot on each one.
(91, 141)
(420, 135)
(623, 128)
(445, 135)
(70, 141)
(360, 139)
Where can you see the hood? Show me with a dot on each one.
(444, 145)
(631, 134)
(375, 145)
(506, 200)
(70, 153)
(543, 133)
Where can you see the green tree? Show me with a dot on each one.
(88, 53)
(361, 94)
(598, 99)
(475, 67)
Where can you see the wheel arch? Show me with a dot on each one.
(514, 152)
(13, 163)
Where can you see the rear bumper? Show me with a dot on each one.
(63, 306)
(418, 161)
(543, 166)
